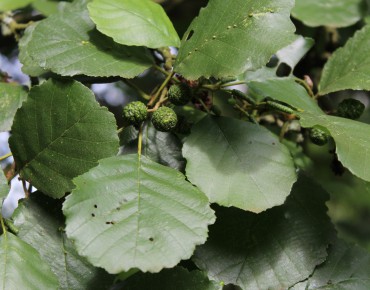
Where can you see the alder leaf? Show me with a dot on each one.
(346, 69)
(11, 98)
(271, 250)
(230, 37)
(21, 266)
(132, 22)
(130, 212)
(59, 133)
(239, 164)
(68, 44)
(41, 222)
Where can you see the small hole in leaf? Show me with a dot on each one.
(273, 62)
(151, 239)
(283, 70)
(93, 215)
(189, 35)
(95, 206)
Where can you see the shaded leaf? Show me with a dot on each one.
(274, 249)
(4, 189)
(11, 98)
(21, 266)
(131, 212)
(177, 278)
(238, 164)
(40, 222)
(346, 69)
(334, 13)
(59, 133)
(132, 22)
(68, 44)
(230, 37)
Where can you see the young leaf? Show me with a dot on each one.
(177, 278)
(130, 212)
(21, 266)
(11, 98)
(40, 222)
(238, 164)
(274, 249)
(346, 69)
(230, 37)
(132, 22)
(68, 44)
(59, 133)
(333, 13)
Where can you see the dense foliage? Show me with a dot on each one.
(238, 158)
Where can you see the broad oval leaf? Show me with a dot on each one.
(334, 13)
(11, 98)
(21, 266)
(131, 212)
(133, 22)
(40, 222)
(238, 164)
(230, 37)
(274, 249)
(59, 133)
(346, 69)
(68, 44)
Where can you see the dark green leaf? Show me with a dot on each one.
(59, 133)
(274, 249)
(230, 37)
(238, 164)
(131, 212)
(132, 22)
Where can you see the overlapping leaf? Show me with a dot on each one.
(274, 249)
(40, 222)
(11, 98)
(130, 212)
(67, 43)
(230, 37)
(21, 266)
(349, 66)
(238, 164)
(132, 22)
(334, 13)
(59, 133)
(4, 189)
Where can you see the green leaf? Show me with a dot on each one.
(68, 44)
(238, 164)
(347, 267)
(230, 37)
(131, 212)
(334, 13)
(4, 189)
(6, 5)
(21, 266)
(11, 98)
(59, 133)
(46, 7)
(271, 250)
(40, 222)
(346, 69)
(132, 22)
(177, 278)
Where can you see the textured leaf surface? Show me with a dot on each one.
(334, 13)
(6, 5)
(21, 266)
(132, 22)
(238, 164)
(134, 213)
(349, 66)
(59, 133)
(230, 37)
(11, 98)
(67, 43)
(271, 250)
(40, 220)
(347, 267)
(177, 278)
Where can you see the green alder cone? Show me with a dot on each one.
(318, 136)
(135, 113)
(179, 94)
(350, 109)
(164, 119)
